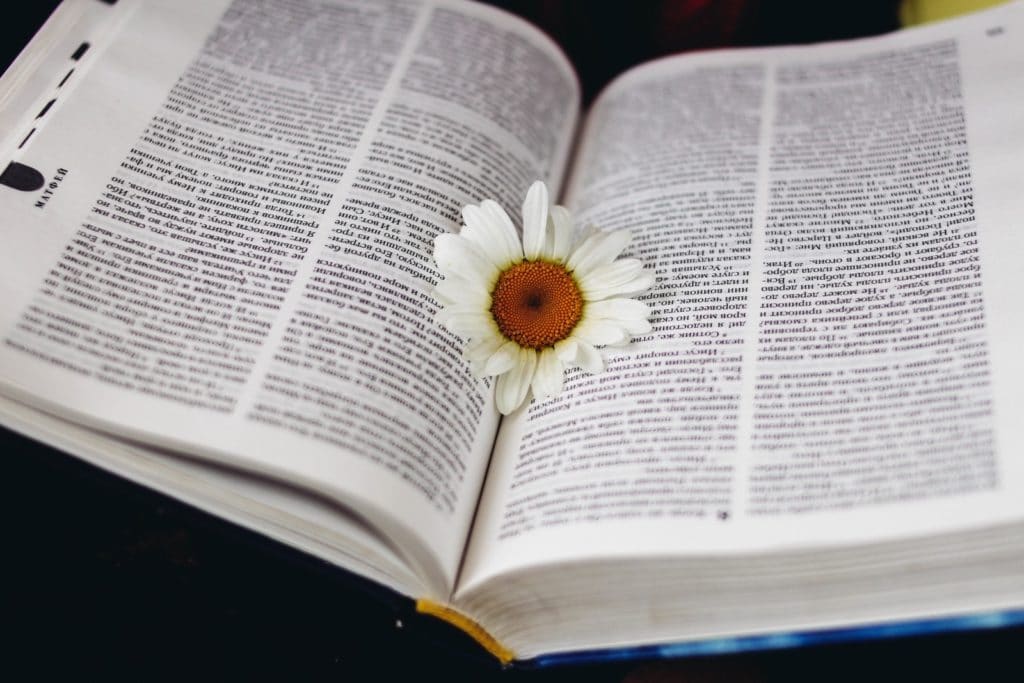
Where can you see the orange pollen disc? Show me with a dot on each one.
(536, 304)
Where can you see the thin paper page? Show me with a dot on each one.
(233, 257)
(285, 513)
(833, 353)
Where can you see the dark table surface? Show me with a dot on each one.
(104, 578)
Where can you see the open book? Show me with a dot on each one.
(218, 220)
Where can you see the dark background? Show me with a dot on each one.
(104, 578)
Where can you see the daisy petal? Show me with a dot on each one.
(514, 384)
(457, 255)
(445, 314)
(451, 291)
(598, 250)
(590, 359)
(561, 233)
(502, 360)
(496, 237)
(479, 350)
(644, 281)
(493, 212)
(611, 275)
(469, 324)
(441, 297)
(619, 310)
(566, 350)
(535, 220)
(638, 285)
(549, 240)
(589, 230)
(547, 380)
(598, 332)
(482, 348)
(635, 327)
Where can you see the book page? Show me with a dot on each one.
(231, 253)
(314, 525)
(833, 354)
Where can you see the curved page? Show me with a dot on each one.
(834, 355)
(230, 254)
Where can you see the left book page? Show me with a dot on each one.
(230, 252)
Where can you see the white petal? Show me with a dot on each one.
(635, 327)
(455, 291)
(560, 229)
(493, 211)
(444, 315)
(535, 220)
(470, 324)
(598, 332)
(589, 230)
(638, 285)
(482, 348)
(590, 359)
(503, 360)
(619, 310)
(547, 381)
(495, 235)
(479, 350)
(441, 297)
(599, 249)
(514, 384)
(458, 256)
(641, 283)
(610, 275)
(566, 350)
(549, 241)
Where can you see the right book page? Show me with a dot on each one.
(837, 316)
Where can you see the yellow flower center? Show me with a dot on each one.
(536, 303)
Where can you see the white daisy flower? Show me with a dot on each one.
(531, 307)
